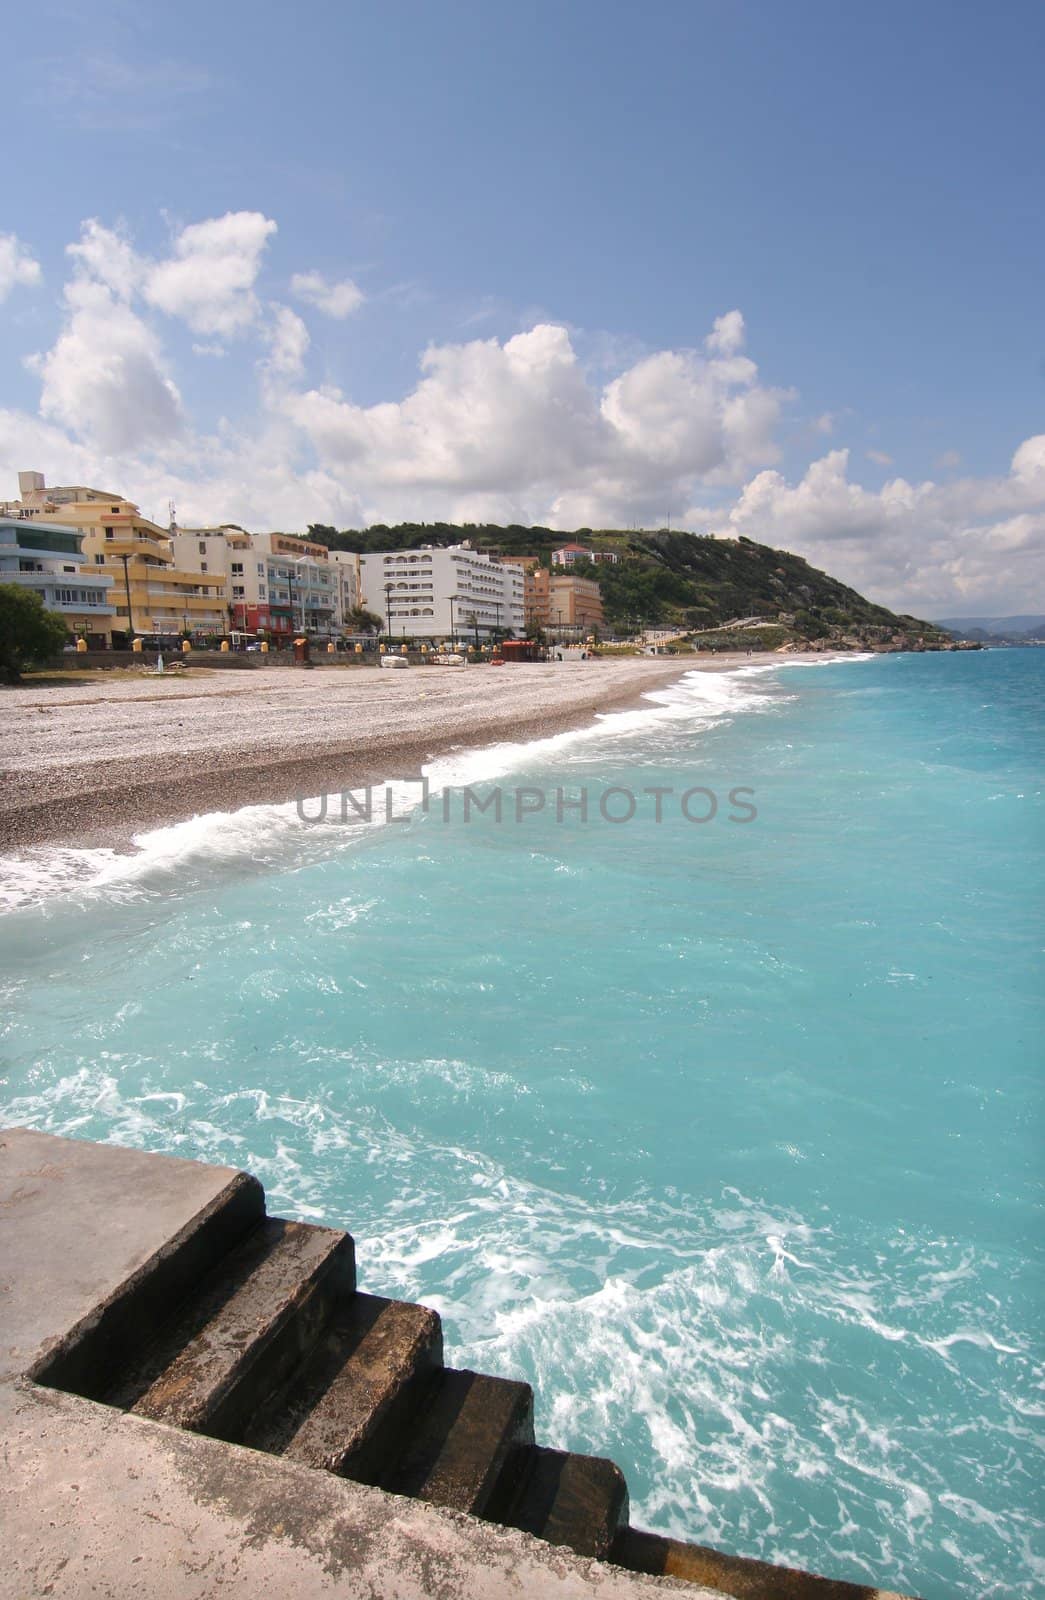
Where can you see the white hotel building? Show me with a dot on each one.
(439, 593)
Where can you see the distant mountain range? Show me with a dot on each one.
(1002, 629)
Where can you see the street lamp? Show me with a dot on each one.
(290, 590)
(453, 630)
(388, 608)
(127, 586)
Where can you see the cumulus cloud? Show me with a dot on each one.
(515, 430)
(18, 268)
(727, 334)
(104, 378)
(108, 256)
(209, 280)
(520, 423)
(925, 547)
(337, 300)
(288, 340)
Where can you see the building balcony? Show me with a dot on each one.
(50, 586)
(133, 545)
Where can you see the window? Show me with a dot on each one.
(109, 534)
(237, 569)
(237, 591)
(99, 561)
(261, 569)
(261, 591)
(203, 547)
(68, 569)
(203, 566)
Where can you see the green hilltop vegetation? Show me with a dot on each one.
(688, 581)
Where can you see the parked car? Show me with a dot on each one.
(394, 661)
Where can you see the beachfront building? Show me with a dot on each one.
(445, 593)
(275, 583)
(567, 554)
(298, 577)
(255, 590)
(346, 578)
(528, 566)
(567, 606)
(558, 602)
(151, 595)
(49, 559)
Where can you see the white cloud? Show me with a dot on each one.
(880, 458)
(948, 461)
(727, 334)
(520, 424)
(105, 254)
(104, 378)
(1028, 464)
(515, 430)
(209, 280)
(289, 341)
(825, 423)
(925, 547)
(18, 268)
(337, 300)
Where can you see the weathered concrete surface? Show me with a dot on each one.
(283, 1304)
(76, 1220)
(99, 1502)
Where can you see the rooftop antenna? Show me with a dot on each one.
(173, 517)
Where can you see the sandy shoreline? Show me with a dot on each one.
(96, 763)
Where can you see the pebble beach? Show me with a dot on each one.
(98, 761)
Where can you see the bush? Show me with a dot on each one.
(29, 633)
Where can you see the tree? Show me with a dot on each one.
(29, 633)
(364, 621)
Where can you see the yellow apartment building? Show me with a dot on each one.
(150, 593)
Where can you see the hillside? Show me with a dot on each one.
(697, 584)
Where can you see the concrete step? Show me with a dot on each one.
(254, 1322)
(94, 1355)
(345, 1410)
(736, 1576)
(579, 1501)
(469, 1441)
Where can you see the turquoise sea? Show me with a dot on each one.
(724, 1134)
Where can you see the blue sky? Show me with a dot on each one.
(556, 202)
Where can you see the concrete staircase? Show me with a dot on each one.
(250, 1329)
